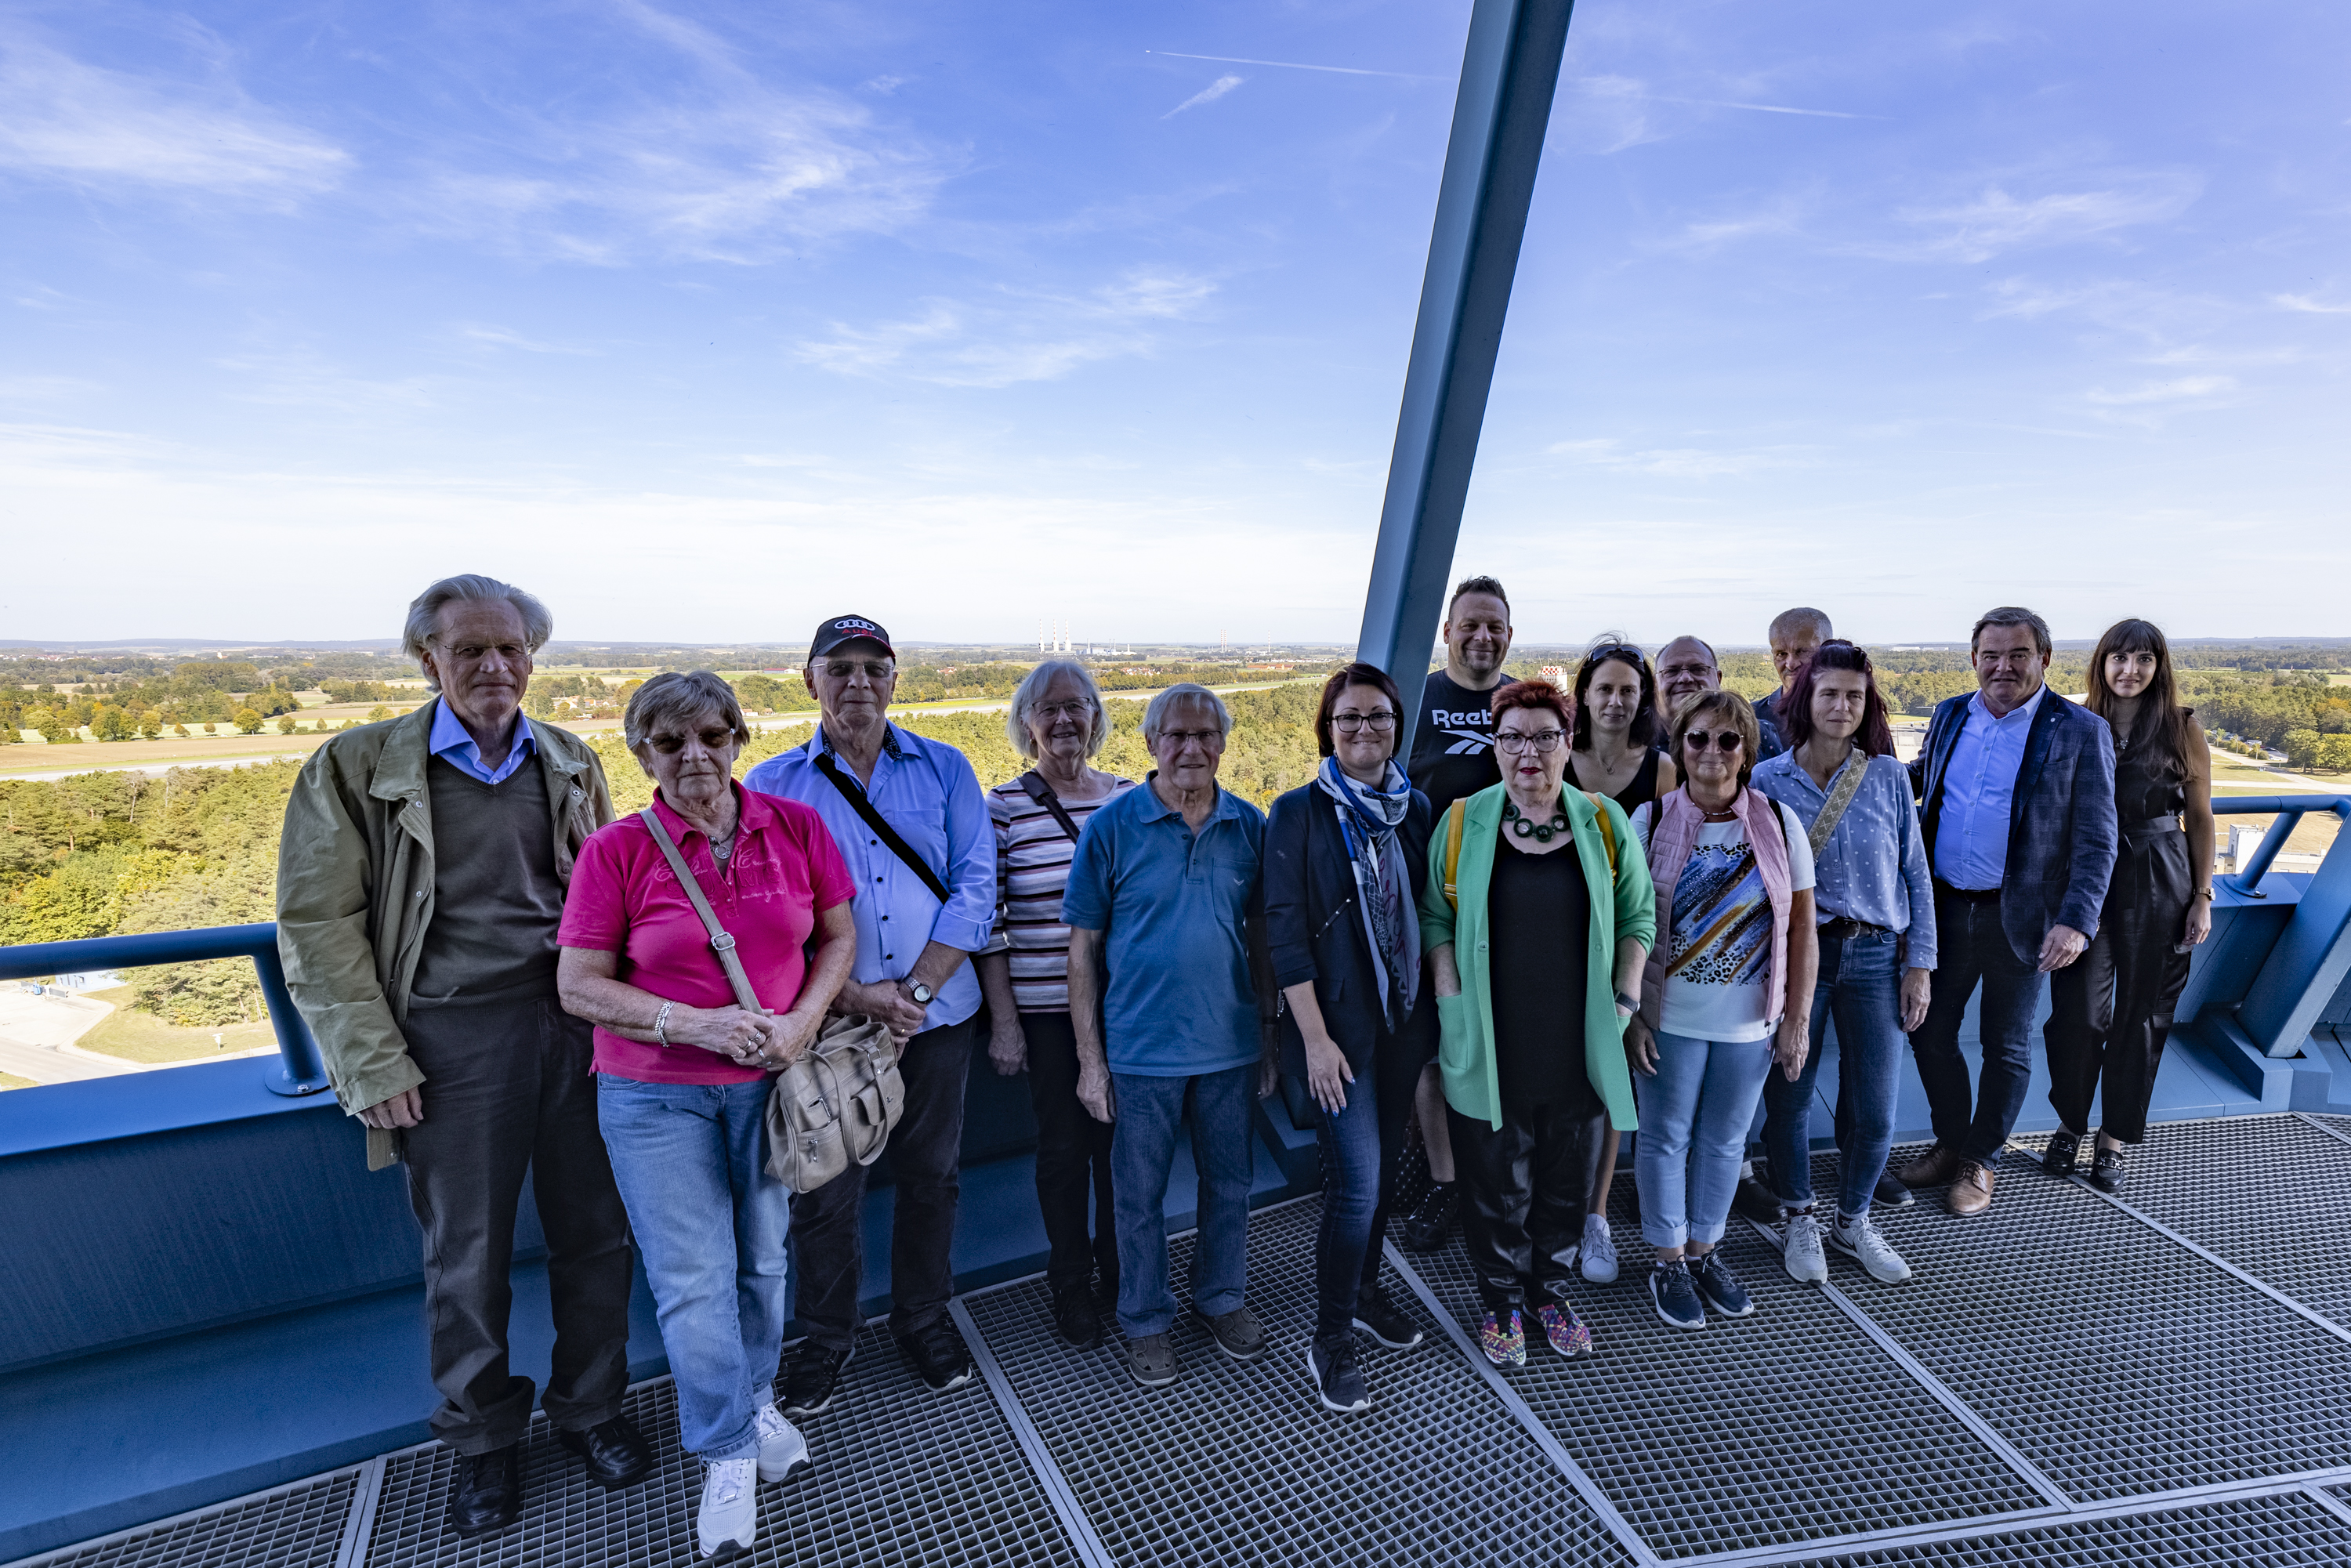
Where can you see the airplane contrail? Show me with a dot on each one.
(1289, 65)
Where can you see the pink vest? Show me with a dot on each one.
(1671, 838)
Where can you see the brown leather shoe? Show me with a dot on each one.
(1933, 1168)
(1971, 1190)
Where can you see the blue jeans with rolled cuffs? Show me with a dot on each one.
(1150, 1113)
(711, 1225)
(1861, 987)
(1694, 1119)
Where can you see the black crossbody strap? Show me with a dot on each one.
(882, 830)
(1042, 793)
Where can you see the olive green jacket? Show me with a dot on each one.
(355, 891)
(1624, 905)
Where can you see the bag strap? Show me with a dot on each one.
(1847, 786)
(856, 797)
(1033, 783)
(1454, 815)
(722, 941)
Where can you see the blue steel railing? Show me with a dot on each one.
(2307, 967)
(299, 1068)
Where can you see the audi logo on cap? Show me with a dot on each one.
(854, 623)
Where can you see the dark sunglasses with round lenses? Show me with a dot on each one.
(715, 740)
(1726, 740)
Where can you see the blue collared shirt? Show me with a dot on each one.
(1978, 792)
(927, 792)
(1176, 906)
(453, 744)
(1873, 867)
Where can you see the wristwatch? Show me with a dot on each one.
(921, 993)
(1627, 1003)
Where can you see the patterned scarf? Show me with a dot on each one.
(1369, 816)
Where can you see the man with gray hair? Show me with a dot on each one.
(1167, 967)
(1794, 634)
(421, 879)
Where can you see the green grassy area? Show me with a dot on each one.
(10, 1081)
(135, 1036)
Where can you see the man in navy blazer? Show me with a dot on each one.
(2018, 789)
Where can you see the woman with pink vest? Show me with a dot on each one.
(1728, 992)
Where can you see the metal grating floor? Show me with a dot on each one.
(2179, 1414)
(1240, 1464)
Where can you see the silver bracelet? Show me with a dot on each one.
(661, 1025)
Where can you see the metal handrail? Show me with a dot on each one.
(299, 1068)
(2290, 809)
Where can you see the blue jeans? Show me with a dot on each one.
(1151, 1111)
(710, 1224)
(1970, 947)
(1694, 1119)
(1861, 985)
(1359, 1147)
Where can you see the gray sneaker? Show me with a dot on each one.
(1238, 1334)
(1858, 1240)
(1800, 1251)
(1151, 1360)
(1597, 1257)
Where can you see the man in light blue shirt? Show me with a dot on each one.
(911, 823)
(453, 743)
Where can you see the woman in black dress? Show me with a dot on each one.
(2110, 1011)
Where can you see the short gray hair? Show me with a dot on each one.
(1155, 714)
(671, 697)
(2012, 615)
(1788, 623)
(424, 613)
(1032, 687)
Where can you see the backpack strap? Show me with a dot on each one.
(1455, 816)
(1032, 784)
(1607, 830)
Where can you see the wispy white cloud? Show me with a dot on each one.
(2308, 305)
(1294, 66)
(1676, 462)
(1014, 340)
(2179, 390)
(1995, 220)
(1208, 94)
(491, 337)
(63, 119)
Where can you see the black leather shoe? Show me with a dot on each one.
(1427, 1227)
(938, 1356)
(1075, 1319)
(811, 1376)
(487, 1494)
(2064, 1153)
(2107, 1170)
(1754, 1201)
(613, 1451)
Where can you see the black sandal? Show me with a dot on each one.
(2107, 1170)
(2059, 1159)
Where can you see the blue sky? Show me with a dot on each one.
(704, 322)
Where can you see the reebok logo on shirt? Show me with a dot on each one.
(1467, 741)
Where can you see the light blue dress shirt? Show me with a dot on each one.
(1873, 867)
(1979, 792)
(453, 744)
(927, 792)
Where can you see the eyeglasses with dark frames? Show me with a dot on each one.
(1726, 740)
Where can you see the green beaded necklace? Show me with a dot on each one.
(1526, 827)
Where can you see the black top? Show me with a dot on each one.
(2144, 788)
(1640, 791)
(1540, 910)
(1452, 742)
(496, 900)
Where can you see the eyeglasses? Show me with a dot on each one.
(1380, 722)
(1515, 741)
(1206, 740)
(1728, 740)
(1700, 668)
(718, 739)
(849, 669)
(1079, 709)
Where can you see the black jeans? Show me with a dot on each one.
(1072, 1155)
(1525, 1186)
(2110, 1010)
(1359, 1148)
(1970, 947)
(509, 1089)
(926, 1158)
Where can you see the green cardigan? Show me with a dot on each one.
(1465, 1042)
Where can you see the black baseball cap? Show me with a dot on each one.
(839, 629)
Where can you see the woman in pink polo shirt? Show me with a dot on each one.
(682, 1071)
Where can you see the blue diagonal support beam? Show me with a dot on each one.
(1509, 72)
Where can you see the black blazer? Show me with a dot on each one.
(2062, 834)
(1317, 930)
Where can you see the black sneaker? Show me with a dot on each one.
(1720, 1286)
(938, 1355)
(1757, 1202)
(1891, 1193)
(1337, 1380)
(2063, 1154)
(811, 1374)
(1431, 1221)
(2107, 1170)
(1075, 1317)
(1377, 1317)
(1674, 1297)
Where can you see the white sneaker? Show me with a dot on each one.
(1597, 1256)
(1800, 1251)
(729, 1519)
(1858, 1240)
(782, 1449)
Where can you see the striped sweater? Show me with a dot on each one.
(1032, 867)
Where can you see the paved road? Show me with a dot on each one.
(32, 1027)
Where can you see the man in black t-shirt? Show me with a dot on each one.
(1452, 742)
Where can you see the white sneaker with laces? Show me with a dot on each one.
(1800, 1251)
(729, 1518)
(1596, 1259)
(782, 1449)
(1858, 1240)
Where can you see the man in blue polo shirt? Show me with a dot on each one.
(1163, 906)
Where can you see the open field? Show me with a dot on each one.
(133, 1036)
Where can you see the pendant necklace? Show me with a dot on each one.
(1526, 827)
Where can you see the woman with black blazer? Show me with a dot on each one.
(1344, 859)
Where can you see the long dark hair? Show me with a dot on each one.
(1875, 736)
(1644, 717)
(1357, 674)
(2162, 724)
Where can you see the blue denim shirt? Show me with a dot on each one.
(454, 743)
(1175, 907)
(928, 792)
(1979, 793)
(1873, 867)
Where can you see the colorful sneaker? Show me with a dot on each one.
(1504, 1340)
(1568, 1334)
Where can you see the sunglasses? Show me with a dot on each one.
(712, 740)
(1728, 740)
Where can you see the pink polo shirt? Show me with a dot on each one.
(624, 899)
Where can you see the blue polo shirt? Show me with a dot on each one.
(1175, 905)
